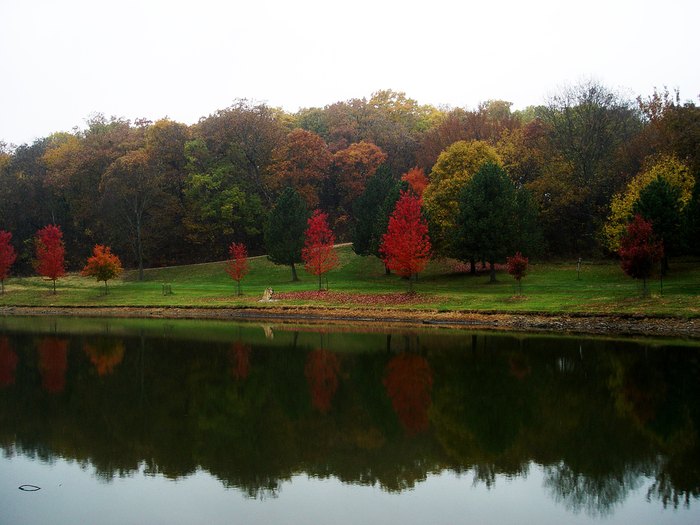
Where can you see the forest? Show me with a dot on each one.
(164, 193)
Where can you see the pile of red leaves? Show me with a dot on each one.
(353, 298)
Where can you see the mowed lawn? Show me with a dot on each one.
(548, 287)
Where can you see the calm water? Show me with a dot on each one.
(212, 422)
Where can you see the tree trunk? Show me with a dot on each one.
(2, 285)
(54, 286)
(387, 271)
(320, 285)
(106, 291)
(239, 287)
(472, 266)
(492, 272)
(294, 273)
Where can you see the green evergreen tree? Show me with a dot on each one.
(495, 220)
(660, 204)
(366, 210)
(284, 231)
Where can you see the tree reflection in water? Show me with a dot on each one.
(8, 363)
(599, 416)
(53, 362)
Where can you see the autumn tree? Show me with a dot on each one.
(416, 179)
(517, 267)
(353, 167)
(640, 250)
(103, 265)
(237, 264)
(406, 246)
(50, 253)
(318, 253)
(303, 162)
(284, 232)
(7, 256)
(130, 190)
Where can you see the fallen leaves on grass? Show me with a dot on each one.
(380, 299)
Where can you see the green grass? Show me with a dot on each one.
(602, 288)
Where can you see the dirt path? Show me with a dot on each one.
(588, 324)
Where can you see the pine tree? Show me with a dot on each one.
(284, 232)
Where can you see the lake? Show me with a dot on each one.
(146, 421)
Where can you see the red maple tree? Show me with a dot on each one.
(517, 267)
(317, 253)
(640, 250)
(50, 253)
(103, 265)
(237, 265)
(406, 246)
(7, 256)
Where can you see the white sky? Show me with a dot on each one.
(61, 60)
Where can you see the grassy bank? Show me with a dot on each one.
(601, 288)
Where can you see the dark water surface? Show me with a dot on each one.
(124, 421)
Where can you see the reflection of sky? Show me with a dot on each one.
(70, 494)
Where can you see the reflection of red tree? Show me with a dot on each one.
(105, 356)
(409, 382)
(240, 360)
(8, 363)
(321, 370)
(518, 366)
(53, 362)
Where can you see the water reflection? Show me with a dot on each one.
(374, 409)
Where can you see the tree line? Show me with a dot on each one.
(164, 193)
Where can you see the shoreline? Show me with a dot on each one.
(595, 324)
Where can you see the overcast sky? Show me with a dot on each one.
(62, 60)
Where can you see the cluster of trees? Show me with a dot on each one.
(50, 261)
(167, 193)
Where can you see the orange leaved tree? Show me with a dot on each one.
(318, 254)
(50, 253)
(237, 265)
(406, 246)
(103, 265)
